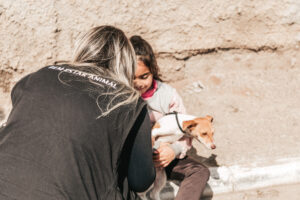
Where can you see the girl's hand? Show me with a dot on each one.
(165, 155)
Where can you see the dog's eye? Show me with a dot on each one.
(204, 133)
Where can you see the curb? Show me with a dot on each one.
(236, 178)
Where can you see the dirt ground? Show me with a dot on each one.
(282, 192)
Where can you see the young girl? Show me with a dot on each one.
(162, 99)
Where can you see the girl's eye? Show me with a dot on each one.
(204, 133)
(145, 76)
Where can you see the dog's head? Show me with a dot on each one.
(201, 128)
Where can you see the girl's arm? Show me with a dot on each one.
(176, 104)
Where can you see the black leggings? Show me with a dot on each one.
(137, 155)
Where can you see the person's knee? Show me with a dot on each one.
(206, 173)
(202, 172)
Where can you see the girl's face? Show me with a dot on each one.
(143, 78)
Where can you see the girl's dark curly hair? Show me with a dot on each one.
(145, 53)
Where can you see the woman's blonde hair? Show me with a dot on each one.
(107, 52)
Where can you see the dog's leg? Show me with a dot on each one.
(159, 183)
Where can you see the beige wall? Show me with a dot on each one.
(236, 60)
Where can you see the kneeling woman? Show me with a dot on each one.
(79, 131)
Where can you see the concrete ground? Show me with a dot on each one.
(281, 192)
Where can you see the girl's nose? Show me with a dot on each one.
(137, 84)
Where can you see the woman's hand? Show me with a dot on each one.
(165, 155)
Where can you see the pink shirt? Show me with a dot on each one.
(149, 93)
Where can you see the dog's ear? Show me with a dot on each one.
(210, 118)
(186, 125)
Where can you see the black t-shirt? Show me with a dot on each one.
(55, 145)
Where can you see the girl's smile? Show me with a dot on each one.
(143, 77)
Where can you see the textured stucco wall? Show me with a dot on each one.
(236, 60)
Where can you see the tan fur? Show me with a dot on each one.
(201, 127)
(156, 125)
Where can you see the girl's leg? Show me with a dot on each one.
(193, 177)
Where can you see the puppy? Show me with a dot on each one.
(171, 128)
